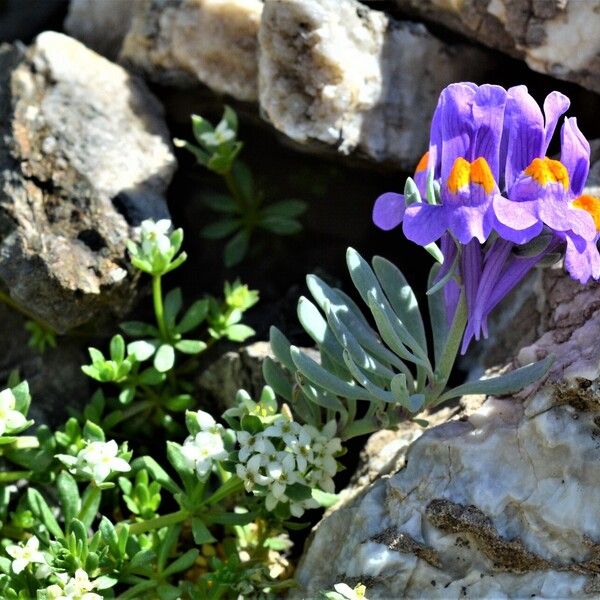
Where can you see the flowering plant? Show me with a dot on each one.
(497, 206)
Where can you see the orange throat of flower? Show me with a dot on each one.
(463, 173)
(546, 170)
(591, 205)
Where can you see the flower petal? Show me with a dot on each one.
(425, 223)
(582, 265)
(388, 211)
(524, 131)
(555, 105)
(468, 222)
(575, 154)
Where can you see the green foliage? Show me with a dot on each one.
(242, 210)
(371, 379)
(41, 336)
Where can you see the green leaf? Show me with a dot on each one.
(298, 492)
(190, 346)
(42, 511)
(194, 315)
(92, 432)
(509, 383)
(141, 559)
(437, 316)
(173, 304)
(401, 297)
(201, 533)
(435, 252)
(285, 208)
(151, 376)
(183, 563)
(219, 202)
(164, 358)
(117, 348)
(243, 180)
(22, 397)
(220, 229)
(239, 332)
(411, 192)
(230, 117)
(200, 126)
(325, 499)
(109, 535)
(281, 346)
(277, 378)
(319, 376)
(157, 472)
(68, 494)
(90, 503)
(280, 225)
(236, 248)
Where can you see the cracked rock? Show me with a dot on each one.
(556, 37)
(339, 73)
(186, 42)
(84, 156)
(501, 504)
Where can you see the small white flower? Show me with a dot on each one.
(206, 422)
(155, 236)
(250, 444)
(78, 587)
(43, 571)
(25, 555)
(202, 450)
(10, 418)
(250, 473)
(219, 136)
(100, 460)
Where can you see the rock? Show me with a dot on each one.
(501, 504)
(84, 156)
(186, 42)
(336, 72)
(557, 37)
(55, 379)
(100, 25)
(236, 370)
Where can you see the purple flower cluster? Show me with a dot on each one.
(498, 191)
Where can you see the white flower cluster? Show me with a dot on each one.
(98, 460)
(307, 458)
(73, 588)
(202, 449)
(25, 555)
(10, 419)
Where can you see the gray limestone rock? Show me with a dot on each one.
(186, 42)
(500, 504)
(557, 37)
(84, 156)
(341, 74)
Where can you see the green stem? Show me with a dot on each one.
(159, 309)
(24, 442)
(452, 345)
(8, 476)
(233, 190)
(159, 522)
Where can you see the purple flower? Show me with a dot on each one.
(487, 152)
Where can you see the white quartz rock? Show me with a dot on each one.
(501, 504)
(557, 37)
(186, 42)
(339, 73)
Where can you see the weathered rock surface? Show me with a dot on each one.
(336, 72)
(557, 37)
(100, 24)
(186, 42)
(502, 504)
(84, 155)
